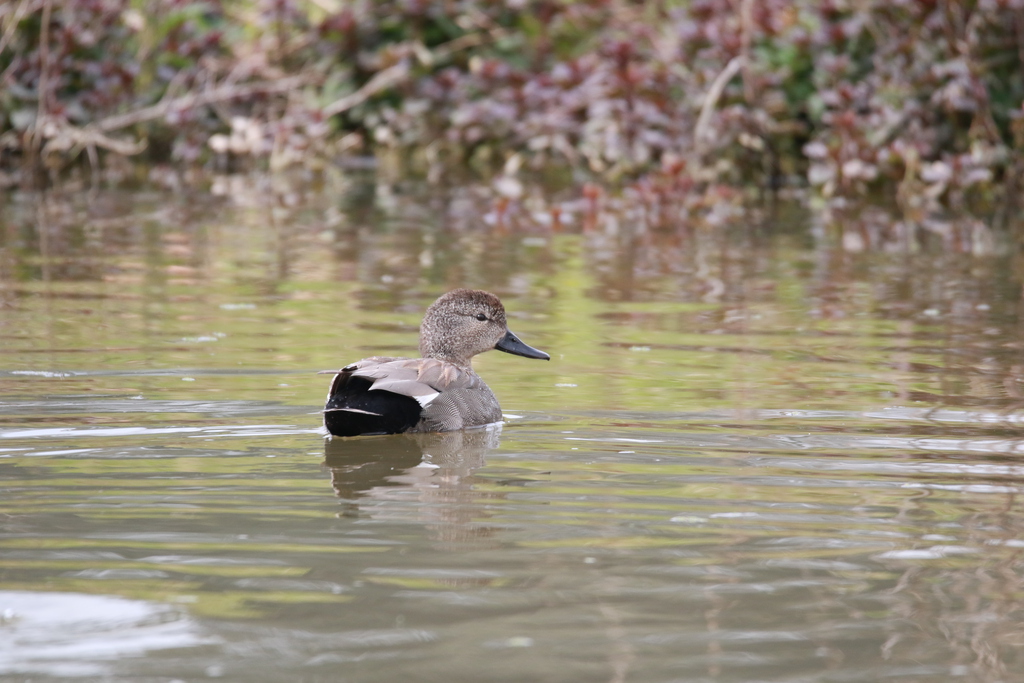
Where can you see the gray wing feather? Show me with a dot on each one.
(365, 368)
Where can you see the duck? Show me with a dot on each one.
(439, 392)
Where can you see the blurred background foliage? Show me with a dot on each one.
(684, 110)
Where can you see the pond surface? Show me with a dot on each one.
(754, 456)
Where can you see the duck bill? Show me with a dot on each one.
(510, 344)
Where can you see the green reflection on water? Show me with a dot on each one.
(216, 287)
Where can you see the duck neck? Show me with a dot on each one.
(443, 353)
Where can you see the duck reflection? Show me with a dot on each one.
(423, 478)
(436, 464)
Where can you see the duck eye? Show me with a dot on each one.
(481, 317)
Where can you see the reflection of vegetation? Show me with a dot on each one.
(676, 320)
(932, 562)
(967, 608)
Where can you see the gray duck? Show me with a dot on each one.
(439, 392)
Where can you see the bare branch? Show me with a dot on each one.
(402, 71)
(211, 96)
(382, 80)
(702, 132)
(23, 9)
(62, 137)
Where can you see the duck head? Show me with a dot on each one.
(465, 322)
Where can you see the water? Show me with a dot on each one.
(753, 456)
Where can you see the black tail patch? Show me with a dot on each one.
(353, 410)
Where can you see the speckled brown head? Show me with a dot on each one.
(465, 322)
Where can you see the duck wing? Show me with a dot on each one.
(390, 395)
